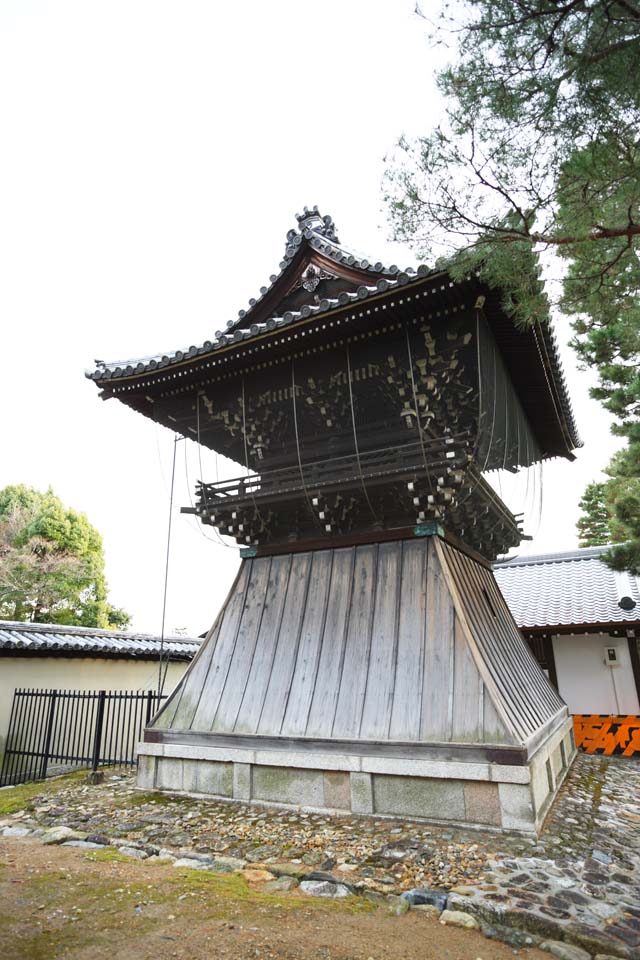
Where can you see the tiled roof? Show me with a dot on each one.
(318, 233)
(46, 638)
(568, 589)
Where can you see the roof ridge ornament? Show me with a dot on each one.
(312, 221)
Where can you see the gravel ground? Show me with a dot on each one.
(579, 883)
(58, 903)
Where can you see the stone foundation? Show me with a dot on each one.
(491, 795)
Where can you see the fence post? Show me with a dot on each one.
(150, 696)
(97, 743)
(47, 742)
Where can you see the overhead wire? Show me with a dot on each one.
(355, 439)
(246, 456)
(203, 487)
(417, 412)
(481, 412)
(482, 417)
(297, 436)
(161, 676)
(197, 524)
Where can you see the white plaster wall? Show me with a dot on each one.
(71, 673)
(586, 684)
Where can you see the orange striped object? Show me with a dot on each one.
(608, 735)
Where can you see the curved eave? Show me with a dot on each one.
(131, 384)
(133, 369)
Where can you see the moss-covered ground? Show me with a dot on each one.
(62, 902)
(21, 797)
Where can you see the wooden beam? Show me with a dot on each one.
(550, 658)
(469, 753)
(635, 660)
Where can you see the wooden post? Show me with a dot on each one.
(149, 708)
(634, 653)
(551, 659)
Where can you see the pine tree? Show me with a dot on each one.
(593, 524)
(539, 153)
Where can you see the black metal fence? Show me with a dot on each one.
(52, 731)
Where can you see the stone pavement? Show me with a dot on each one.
(575, 891)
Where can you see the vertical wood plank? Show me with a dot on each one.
(178, 711)
(499, 647)
(407, 696)
(265, 647)
(353, 676)
(325, 693)
(467, 691)
(376, 713)
(494, 730)
(206, 698)
(548, 694)
(284, 661)
(304, 674)
(438, 661)
(237, 671)
(473, 614)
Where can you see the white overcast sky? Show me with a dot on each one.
(152, 158)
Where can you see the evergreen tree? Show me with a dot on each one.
(593, 525)
(539, 156)
(623, 498)
(51, 563)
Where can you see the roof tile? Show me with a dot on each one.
(567, 589)
(43, 637)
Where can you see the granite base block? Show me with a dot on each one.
(510, 798)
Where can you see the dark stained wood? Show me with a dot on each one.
(521, 349)
(360, 537)
(469, 753)
(634, 653)
(550, 658)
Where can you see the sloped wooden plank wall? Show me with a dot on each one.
(398, 641)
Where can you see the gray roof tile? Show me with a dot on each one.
(49, 638)
(567, 589)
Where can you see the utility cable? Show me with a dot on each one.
(246, 456)
(355, 439)
(161, 676)
(295, 428)
(203, 486)
(417, 412)
(219, 542)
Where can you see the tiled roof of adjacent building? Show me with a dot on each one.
(48, 638)
(568, 589)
